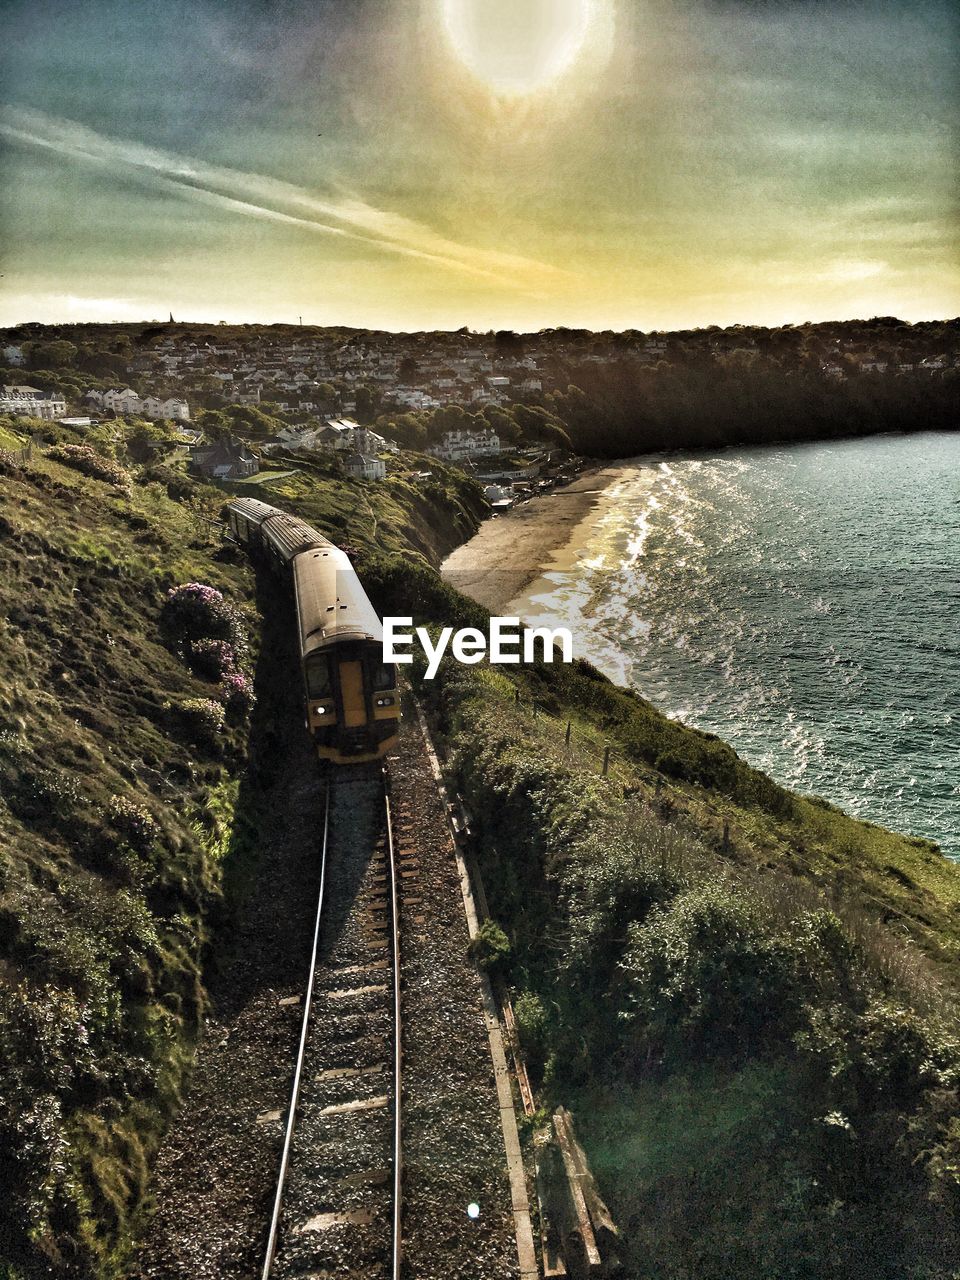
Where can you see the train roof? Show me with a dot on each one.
(287, 534)
(331, 603)
(256, 512)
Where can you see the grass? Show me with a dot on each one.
(10, 439)
(100, 942)
(397, 514)
(748, 996)
(265, 477)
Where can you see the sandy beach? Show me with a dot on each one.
(511, 552)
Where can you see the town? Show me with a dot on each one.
(510, 408)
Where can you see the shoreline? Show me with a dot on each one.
(509, 553)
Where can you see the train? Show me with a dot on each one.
(350, 693)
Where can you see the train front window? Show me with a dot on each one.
(319, 684)
(383, 676)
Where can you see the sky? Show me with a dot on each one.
(419, 164)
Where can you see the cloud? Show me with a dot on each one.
(255, 195)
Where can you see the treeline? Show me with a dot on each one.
(621, 409)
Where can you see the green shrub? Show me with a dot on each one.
(490, 948)
(194, 612)
(704, 969)
(46, 797)
(238, 690)
(211, 658)
(135, 824)
(532, 1029)
(204, 718)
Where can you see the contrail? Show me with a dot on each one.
(256, 196)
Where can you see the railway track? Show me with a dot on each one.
(338, 1206)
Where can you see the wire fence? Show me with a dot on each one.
(571, 743)
(589, 752)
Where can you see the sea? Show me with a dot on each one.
(800, 601)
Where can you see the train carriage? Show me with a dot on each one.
(351, 695)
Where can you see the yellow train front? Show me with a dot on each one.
(353, 709)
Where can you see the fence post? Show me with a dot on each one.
(566, 736)
(606, 760)
(516, 696)
(726, 837)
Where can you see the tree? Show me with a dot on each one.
(366, 405)
(507, 344)
(247, 419)
(58, 354)
(214, 423)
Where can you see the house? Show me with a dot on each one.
(175, 408)
(226, 460)
(362, 467)
(414, 399)
(367, 441)
(13, 355)
(500, 499)
(294, 439)
(342, 433)
(457, 445)
(345, 434)
(122, 401)
(166, 410)
(31, 402)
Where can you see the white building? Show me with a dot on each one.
(345, 432)
(363, 467)
(347, 435)
(165, 410)
(31, 402)
(295, 439)
(499, 497)
(123, 400)
(412, 398)
(457, 445)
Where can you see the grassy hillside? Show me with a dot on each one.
(398, 514)
(748, 997)
(115, 816)
(121, 756)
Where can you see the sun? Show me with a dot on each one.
(517, 47)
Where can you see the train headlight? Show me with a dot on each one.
(319, 711)
(385, 702)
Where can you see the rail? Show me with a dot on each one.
(301, 1051)
(396, 1248)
